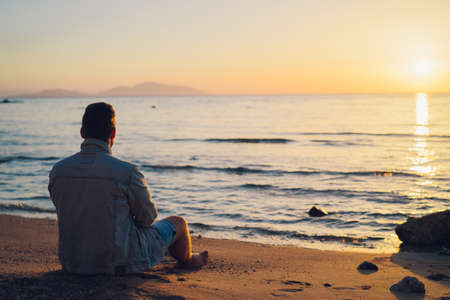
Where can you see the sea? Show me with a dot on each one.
(251, 167)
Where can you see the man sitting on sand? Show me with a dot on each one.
(106, 218)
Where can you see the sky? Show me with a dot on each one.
(227, 47)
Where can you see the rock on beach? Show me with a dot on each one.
(368, 266)
(429, 230)
(409, 285)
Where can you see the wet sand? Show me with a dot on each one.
(29, 269)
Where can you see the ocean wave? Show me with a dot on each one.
(373, 196)
(305, 219)
(251, 230)
(171, 167)
(25, 158)
(229, 216)
(25, 207)
(202, 226)
(45, 198)
(388, 215)
(387, 173)
(236, 140)
(184, 140)
(13, 143)
(339, 143)
(325, 141)
(350, 133)
(243, 170)
(17, 174)
(236, 170)
(251, 140)
(257, 186)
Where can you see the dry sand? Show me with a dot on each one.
(29, 268)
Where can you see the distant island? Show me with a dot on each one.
(51, 93)
(142, 89)
(151, 89)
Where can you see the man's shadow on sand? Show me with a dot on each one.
(425, 262)
(63, 285)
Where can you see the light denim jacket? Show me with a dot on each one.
(103, 205)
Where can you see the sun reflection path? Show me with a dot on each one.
(421, 115)
(423, 154)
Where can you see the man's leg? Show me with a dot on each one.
(181, 248)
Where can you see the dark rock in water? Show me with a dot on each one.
(6, 101)
(368, 266)
(429, 230)
(317, 212)
(408, 285)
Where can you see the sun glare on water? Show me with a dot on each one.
(423, 154)
(421, 109)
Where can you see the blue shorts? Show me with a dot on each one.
(153, 243)
(166, 230)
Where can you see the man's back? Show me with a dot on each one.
(95, 195)
(105, 210)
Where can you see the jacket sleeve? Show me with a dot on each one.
(50, 186)
(140, 200)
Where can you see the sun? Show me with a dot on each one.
(422, 68)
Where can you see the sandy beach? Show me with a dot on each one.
(29, 269)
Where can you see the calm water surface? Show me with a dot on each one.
(250, 167)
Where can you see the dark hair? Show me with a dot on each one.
(99, 120)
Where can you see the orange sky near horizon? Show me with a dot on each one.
(227, 47)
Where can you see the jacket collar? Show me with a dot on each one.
(95, 145)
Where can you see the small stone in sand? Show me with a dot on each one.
(291, 290)
(326, 285)
(368, 266)
(408, 285)
(316, 211)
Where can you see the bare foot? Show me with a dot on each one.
(196, 261)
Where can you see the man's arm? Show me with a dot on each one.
(50, 186)
(140, 200)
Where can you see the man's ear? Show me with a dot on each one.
(82, 133)
(113, 132)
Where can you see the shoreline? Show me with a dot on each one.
(323, 242)
(237, 270)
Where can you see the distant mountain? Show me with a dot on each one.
(151, 89)
(7, 93)
(142, 89)
(53, 93)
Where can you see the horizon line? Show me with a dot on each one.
(231, 94)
